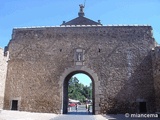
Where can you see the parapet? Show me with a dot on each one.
(81, 26)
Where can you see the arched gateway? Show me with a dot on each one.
(68, 73)
(116, 58)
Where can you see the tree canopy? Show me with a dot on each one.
(79, 91)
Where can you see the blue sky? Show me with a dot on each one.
(83, 78)
(27, 13)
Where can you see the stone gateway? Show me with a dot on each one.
(120, 60)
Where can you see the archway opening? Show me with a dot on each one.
(78, 94)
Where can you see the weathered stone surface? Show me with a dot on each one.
(3, 71)
(119, 55)
(156, 75)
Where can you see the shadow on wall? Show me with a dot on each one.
(136, 94)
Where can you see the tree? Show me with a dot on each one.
(78, 91)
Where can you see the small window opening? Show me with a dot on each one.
(99, 50)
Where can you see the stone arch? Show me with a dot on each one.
(70, 72)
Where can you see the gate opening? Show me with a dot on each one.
(78, 94)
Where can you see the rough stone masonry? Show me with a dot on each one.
(156, 75)
(118, 59)
(119, 55)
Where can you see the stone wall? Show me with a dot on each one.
(3, 70)
(156, 75)
(119, 55)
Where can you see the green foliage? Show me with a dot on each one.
(78, 91)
